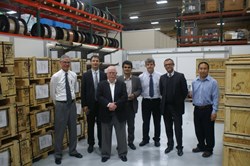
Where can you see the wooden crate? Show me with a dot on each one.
(39, 93)
(42, 143)
(26, 151)
(237, 100)
(7, 85)
(237, 120)
(8, 123)
(41, 117)
(234, 156)
(23, 95)
(220, 80)
(55, 65)
(220, 114)
(76, 66)
(237, 77)
(6, 53)
(78, 88)
(237, 140)
(231, 5)
(32, 68)
(84, 65)
(222, 96)
(215, 64)
(239, 57)
(22, 117)
(10, 154)
(211, 6)
(79, 111)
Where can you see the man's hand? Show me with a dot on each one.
(85, 109)
(131, 96)
(112, 106)
(213, 116)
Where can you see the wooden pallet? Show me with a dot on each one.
(10, 153)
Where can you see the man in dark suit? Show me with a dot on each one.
(112, 97)
(134, 89)
(89, 101)
(173, 88)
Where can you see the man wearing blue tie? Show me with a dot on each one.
(150, 102)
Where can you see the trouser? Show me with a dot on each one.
(151, 106)
(65, 115)
(130, 121)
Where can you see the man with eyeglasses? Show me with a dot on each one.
(134, 89)
(62, 91)
(173, 89)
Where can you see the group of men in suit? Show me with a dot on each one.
(110, 101)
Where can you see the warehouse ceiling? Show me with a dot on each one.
(166, 14)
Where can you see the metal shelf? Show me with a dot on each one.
(66, 14)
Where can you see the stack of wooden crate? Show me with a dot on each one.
(32, 81)
(9, 121)
(237, 115)
(217, 70)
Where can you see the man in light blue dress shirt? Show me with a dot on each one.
(205, 94)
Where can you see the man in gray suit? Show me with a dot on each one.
(134, 89)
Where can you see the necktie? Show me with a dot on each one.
(95, 80)
(68, 93)
(169, 75)
(151, 86)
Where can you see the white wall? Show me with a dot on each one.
(184, 58)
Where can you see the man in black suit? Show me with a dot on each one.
(89, 101)
(134, 89)
(173, 88)
(112, 96)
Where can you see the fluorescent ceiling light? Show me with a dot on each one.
(248, 11)
(133, 17)
(220, 24)
(161, 2)
(11, 12)
(155, 22)
(157, 29)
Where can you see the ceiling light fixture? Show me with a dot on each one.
(161, 2)
(157, 29)
(11, 12)
(154, 22)
(133, 17)
(220, 23)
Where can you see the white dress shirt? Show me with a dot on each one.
(144, 78)
(57, 85)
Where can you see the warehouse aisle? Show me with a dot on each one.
(149, 155)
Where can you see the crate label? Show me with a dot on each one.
(4, 158)
(79, 129)
(3, 118)
(42, 66)
(78, 108)
(45, 141)
(43, 118)
(42, 91)
(77, 88)
(76, 67)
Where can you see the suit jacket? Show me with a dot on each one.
(88, 89)
(104, 98)
(180, 91)
(136, 89)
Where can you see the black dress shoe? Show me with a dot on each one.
(58, 161)
(179, 152)
(90, 148)
(132, 146)
(104, 159)
(143, 143)
(77, 155)
(197, 149)
(123, 158)
(207, 154)
(169, 149)
(157, 144)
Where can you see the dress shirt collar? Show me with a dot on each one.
(171, 73)
(93, 71)
(208, 78)
(130, 77)
(111, 82)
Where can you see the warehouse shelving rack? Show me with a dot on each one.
(220, 16)
(56, 11)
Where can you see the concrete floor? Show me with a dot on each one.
(149, 155)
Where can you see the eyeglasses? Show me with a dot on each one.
(65, 62)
